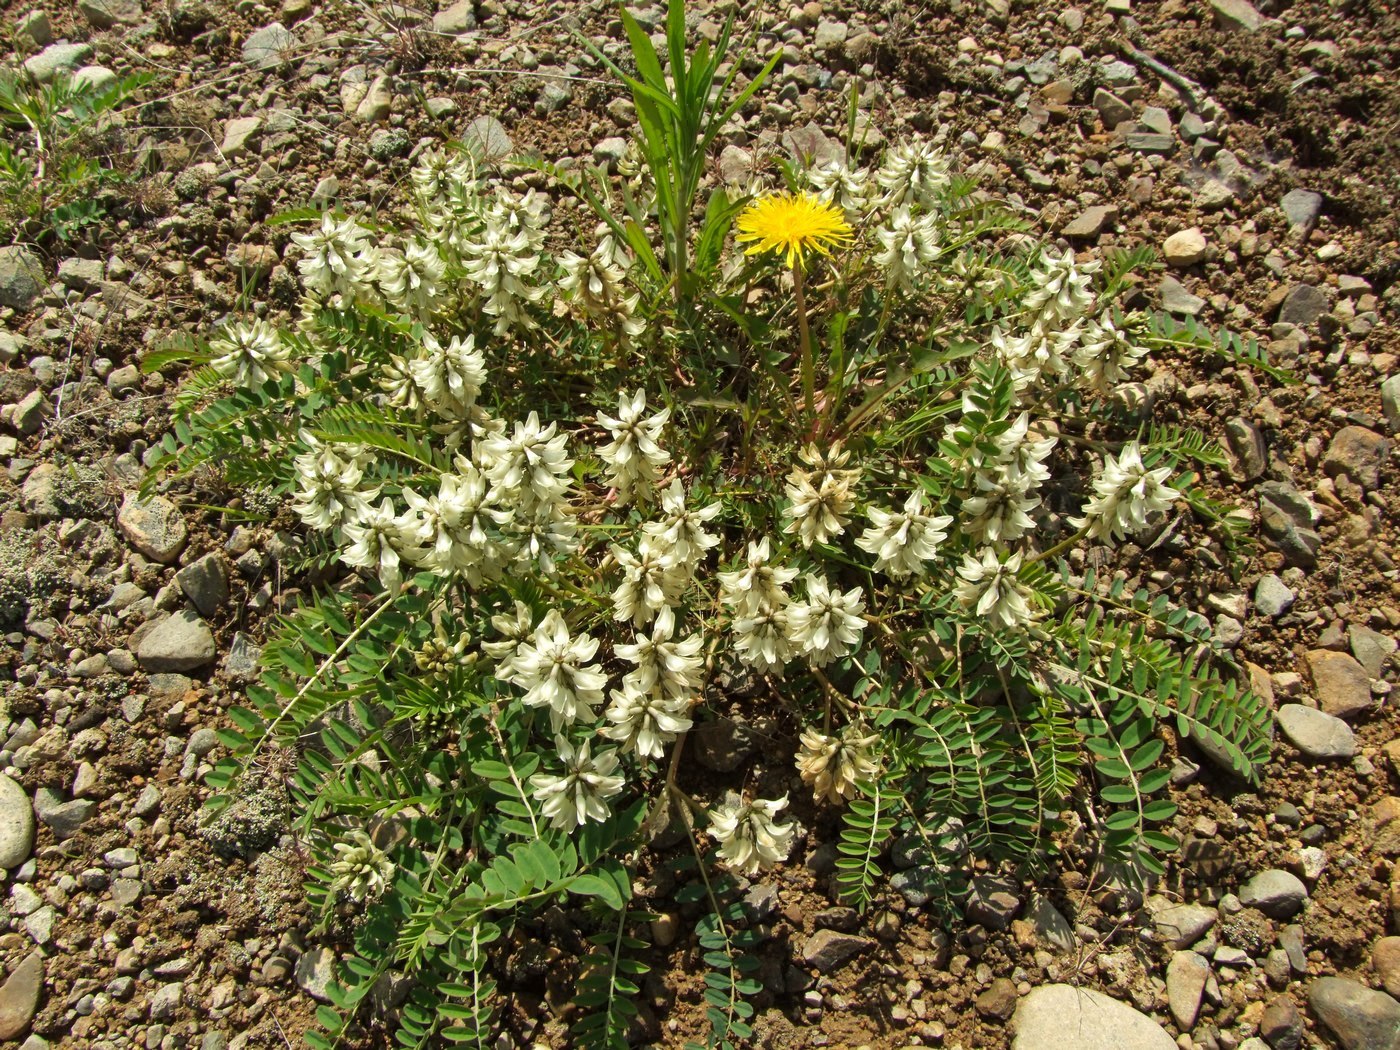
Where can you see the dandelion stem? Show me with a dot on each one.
(809, 369)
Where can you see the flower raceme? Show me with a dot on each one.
(748, 836)
(792, 224)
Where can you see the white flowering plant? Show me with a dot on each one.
(581, 474)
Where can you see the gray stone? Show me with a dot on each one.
(1358, 453)
(39, 924)
(1247, 443)
(154, 526)
(1214, 195)
(378, 102)
(105, 14)
(205, 583)
(62, 818)
(180, 642)
(1239, 15)
(456, 18)
(19, 996)
(37, 27)
(993, 901)
(1390, 401)
(202, 741)
(99, 78)
(1316, 733)
(1371, 648)
(314, 972)
(724, 744)
(1181, 925)
(1155, 118)
(1177, 300)
(1360, 1018)
(828, 950)
(1187, 974)
(31, 411)
(810, 145)
(610, 151)
(1112, 109)
(1051, 925)
(1280, 1024)
(1277, 893)
(55, 59)
(1301, 208)
(166, 1001)
(1065, 1017)
(830, 35)
(22, 277)
(488, 137)
(269, 47)
(553, 97)
(1287, 518)
(1341, 685)
(1149, 142)
(1090, 221)
(80, 274)
(998, 1002)
(1273, 597)
(16, 824)
(1303, 305)
(241, 664)
(240, 134)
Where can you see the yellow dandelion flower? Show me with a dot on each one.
(791, 223)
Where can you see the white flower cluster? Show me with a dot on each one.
(361, 870)
(748, 836)
(1125, 493)
(833, 765)
(248, 353)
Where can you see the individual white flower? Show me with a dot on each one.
(645, 721)
(667, 665)
(914, 173)
(438, 169)
(653, 579)
(681, 529)
(380, 540)
(908, 245)
(249, 353)
(457, 525)
(834, 764)
(902, 541)
(756, 585)
(337, 256)
(762, 639)
(526, 214)
(450, 377)
(512, 628)
(748, 836)
(544, 534)
(990, 588)
(581, 794)
(411, 279)
(1001, 509)
(500, 262)
(531, 463)
(1060, 287)
(553, 669)
(1039, 353)
(1125, 493)
(828, 625)
(821, 499)
(1105, 355)
(595, 283)
(361, 870)
(330, 481)
(848, 189)
(634, 456)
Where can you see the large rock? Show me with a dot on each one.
(1181, 925)
(1277, 893)
(1187, 974)
(828, 950)
(62, 818)
(1185, 248)
(993, 901)
(1288, 518)
(154, 526)
(1304, 305)
(1237, 15)
(269, 47)
(1385, 826)
(488, 137)
(104, 14)
(1316, 733)
(19, 996)
(457, 18)
(205, 583)
(1360, 1018)
(55, 59)
(1359, 454)
(1371, 648)
(1342, 686)
(182, 642)
(1063, 1017)
(22, 277)
(16, 824)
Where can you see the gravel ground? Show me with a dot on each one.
(1257, 147)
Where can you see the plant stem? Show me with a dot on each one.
(809, 369)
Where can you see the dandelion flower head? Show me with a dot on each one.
(792, 224)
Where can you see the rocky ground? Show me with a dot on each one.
(1257, 147)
